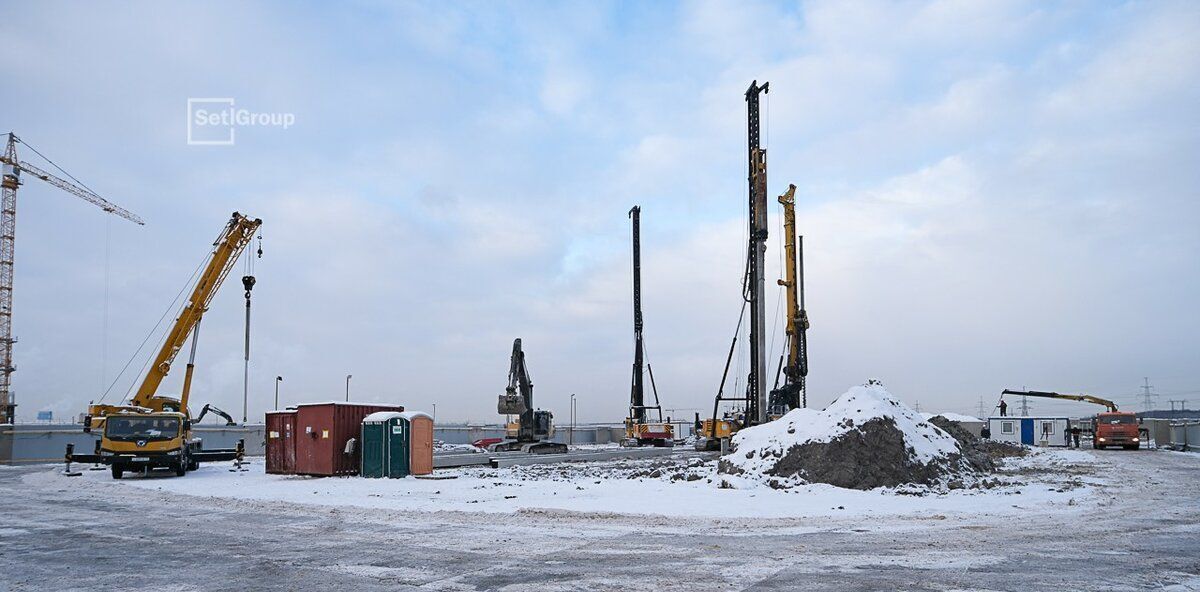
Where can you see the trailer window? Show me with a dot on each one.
(1048, 427)
(141, 428)
(1006, 427)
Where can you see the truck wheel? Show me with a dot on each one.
(117, 472)
(180, 468)
(193, 465)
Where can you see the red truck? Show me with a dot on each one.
(1109, 428)
(1116, 428)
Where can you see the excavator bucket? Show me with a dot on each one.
(511, 404)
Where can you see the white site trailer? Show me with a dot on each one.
(1033, 431)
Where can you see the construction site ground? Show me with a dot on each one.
(1104, 520)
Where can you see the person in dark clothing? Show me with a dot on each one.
(1075, 432)
(986, 432)
(1003, 409)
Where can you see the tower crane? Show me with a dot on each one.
(10, 179)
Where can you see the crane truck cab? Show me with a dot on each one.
(1116, 428)
(139, 441)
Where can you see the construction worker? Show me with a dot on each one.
(1003, 408)
(1075, 432)
(985, 432)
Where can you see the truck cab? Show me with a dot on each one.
(136, 441)
(1115, 428)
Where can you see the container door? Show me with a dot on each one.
(289, 444)
(398, 433)
(373, 450)
(1027, 431)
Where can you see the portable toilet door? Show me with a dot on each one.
(372, 449)
(420, 442)
(397, 447)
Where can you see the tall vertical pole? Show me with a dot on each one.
(8, 227)
(278, 379)
(348, 376)
(756, 385)
(637, 397)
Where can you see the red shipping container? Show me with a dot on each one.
(281, 442)
(323, 431)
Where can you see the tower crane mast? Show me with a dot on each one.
(10, 179)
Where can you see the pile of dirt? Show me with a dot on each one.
(865, 439)
(981, 454)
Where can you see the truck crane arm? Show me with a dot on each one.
(233, 239)
(1085, 398)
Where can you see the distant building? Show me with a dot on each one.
(1170, 414)
(1033, 431)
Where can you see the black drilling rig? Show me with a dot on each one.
(639, 431)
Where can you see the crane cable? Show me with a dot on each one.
(191, 281)
(52, 163)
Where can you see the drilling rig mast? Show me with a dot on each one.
(792, 394)
(638, 430)
(756, 393)
(13, 168)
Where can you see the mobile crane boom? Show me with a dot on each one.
(1085, 398)
(234, 238)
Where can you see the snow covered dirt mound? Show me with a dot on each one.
(863, 440)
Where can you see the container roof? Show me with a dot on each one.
(409, 415)
(382, 416)
(356, 403)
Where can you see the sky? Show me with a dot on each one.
(992, 195)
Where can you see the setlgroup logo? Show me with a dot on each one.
(214, 121)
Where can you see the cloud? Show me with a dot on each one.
(992, 194)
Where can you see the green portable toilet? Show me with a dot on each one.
(376, 434)
(398, 447)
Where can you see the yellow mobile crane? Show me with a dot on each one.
(154, 430)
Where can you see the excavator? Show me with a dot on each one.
(153, 430)
(1109, 428)
(534, 427)
(215, 411)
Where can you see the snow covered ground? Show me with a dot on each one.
(1100, 520)
(643, 487)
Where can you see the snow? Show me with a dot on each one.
(853, 408)
(380, 416)
(612, 488)
(411, 415)
(952, 417)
